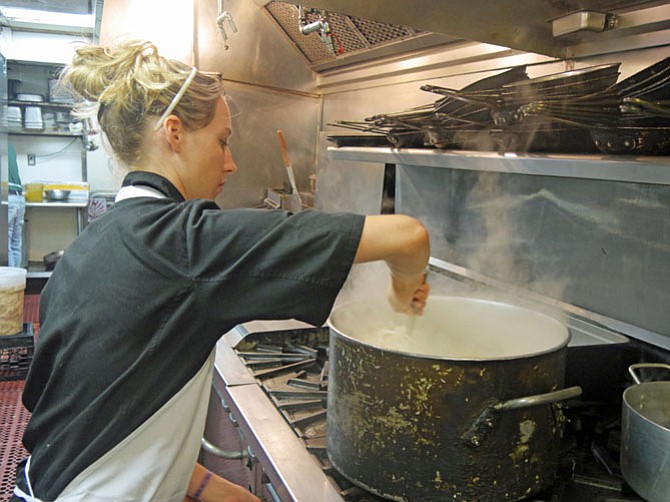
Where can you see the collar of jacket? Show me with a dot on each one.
(153, 180)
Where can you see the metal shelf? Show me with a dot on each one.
(41, 104)
(654, 170)
(65, 204)
(55, 134)
(37, 270)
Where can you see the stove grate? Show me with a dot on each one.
(296, 381)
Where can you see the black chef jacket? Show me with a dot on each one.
(137, 303)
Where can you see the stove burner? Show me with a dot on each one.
(292, 368)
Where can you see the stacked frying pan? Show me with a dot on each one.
(582, 110)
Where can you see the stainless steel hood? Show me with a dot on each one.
(528, 25)
(354, 39)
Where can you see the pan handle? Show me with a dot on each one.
(658, 107)
(454, 94)
(633, 367)
(538, 399)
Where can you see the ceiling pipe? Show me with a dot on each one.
(321, 26)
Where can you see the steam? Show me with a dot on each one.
(367, 282)
(481, 233)
(498, 255)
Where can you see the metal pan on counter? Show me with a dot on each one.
(645, 431)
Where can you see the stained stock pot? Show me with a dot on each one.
(463, 407)
(645, 436)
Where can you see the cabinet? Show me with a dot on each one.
(51, 148)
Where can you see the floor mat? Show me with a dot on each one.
(13, 416)
(13, 420)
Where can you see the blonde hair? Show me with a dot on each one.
(131, 85)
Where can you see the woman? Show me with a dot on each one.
(120, 379)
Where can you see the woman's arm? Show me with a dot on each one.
(403, 243)
(205, 486)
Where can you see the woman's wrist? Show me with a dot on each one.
(197, 495)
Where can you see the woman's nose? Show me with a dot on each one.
(229, 163)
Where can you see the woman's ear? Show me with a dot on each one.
(174, 130)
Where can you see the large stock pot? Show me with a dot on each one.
(459, 404)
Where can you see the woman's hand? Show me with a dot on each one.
(403, 243)
(408, 295)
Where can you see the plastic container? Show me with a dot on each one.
(16, 354)
(12, 288)
(34, 192)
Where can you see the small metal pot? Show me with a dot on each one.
(645, 440)
(458, 404)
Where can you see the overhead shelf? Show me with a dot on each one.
(654, 170)
(41, 104)
(55, 134)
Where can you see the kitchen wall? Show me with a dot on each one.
(270, 87)
(56, 159)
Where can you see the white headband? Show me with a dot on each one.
(176, 99)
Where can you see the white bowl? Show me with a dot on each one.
(14, 113)
(33, 118)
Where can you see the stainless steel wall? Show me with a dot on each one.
(270, 87)
(598, 246)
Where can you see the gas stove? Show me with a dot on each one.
(273, 377)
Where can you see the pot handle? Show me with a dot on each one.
(633, 367)
(476, 433)
(538, 399)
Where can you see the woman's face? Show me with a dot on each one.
(208, 157)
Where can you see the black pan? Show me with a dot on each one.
(655, 108)
(362, 139)
(651, 83)
(632, 140)
(567, 78)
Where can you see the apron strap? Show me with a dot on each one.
(20, 493)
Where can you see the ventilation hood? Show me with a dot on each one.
(354, 39)
(558, 28)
